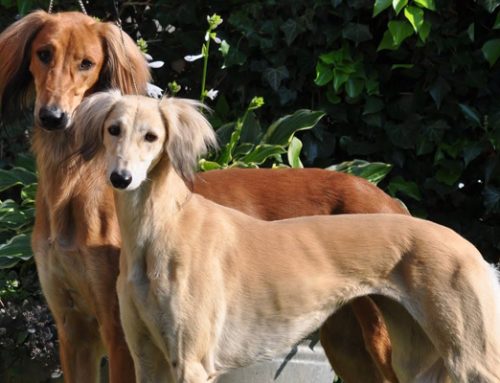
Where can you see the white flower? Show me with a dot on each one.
(154, 91)
(170, 28)
(156, 64)
(212, 93)
(191, 58)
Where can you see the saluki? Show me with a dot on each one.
(56, 60)
(205, 288)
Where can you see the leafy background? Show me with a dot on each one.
(406, 86)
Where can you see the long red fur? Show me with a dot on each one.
(76, 239)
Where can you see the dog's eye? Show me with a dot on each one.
(44, 55)
(150, 137)
(86, 64)
(114, 130)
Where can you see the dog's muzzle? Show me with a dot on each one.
(52, 118)
(120, 179)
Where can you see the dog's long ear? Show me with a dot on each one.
(125, 67)
(88, 120)
(16, 81)
(189, 134)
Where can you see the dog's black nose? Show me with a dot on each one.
(52, 118)
(121, 179)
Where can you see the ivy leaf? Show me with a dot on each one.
(439, 90)
(324, 74)
(291, 29)
(398, 5)
(415, 16)
(339, 78)
(424, 31)
(274, 76)
(409, 188)
(400, 30)
(357, 32)
(380, 5)
(294, 153)
(387, 42)
(491, 51)
(429, 4)
(471, 114)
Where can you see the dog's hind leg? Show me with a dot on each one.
(345, 347)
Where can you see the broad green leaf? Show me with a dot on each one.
(15, 176)
(409, 188)
(398, 5)
(471, 114)
(387, 42)
(339, 78)
(208, 165)
(429, 4)
(281, 131)
(294, 153)
(380, 5)
(18, 247)
(491, 51)
(415, 16)
(371, 171)
(324, 74)
(400, 30)
(354, 87)
(424, 31)
(263, 152)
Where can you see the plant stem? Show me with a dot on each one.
(205, 67)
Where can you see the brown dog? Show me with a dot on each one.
(204, 288)
(60, 59)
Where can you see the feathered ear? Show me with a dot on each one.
(88, 120)
(15, 49)
(189, 134)
(125, 67)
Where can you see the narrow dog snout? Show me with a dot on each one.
(52, 118)
(120, 179)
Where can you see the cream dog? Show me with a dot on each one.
(204, 288)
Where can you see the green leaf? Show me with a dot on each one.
(471, 32)
(400, 30)
(380, 5)
(429, 4)
(424, 31)
(281, 131)
(471, 114)
(324, 74)
(263, 152)
(439, 90)
(371, 171)
(18, 248)
(354, 87)
(387, 42)
(409, 188)
(449, 172)
(491, 51)
(15, 176)
(497, 22)
(274, 76)
(208, 165)
(294, 153)
(415, 16)
(402, 66)
(339, 78)
(373, 105)
(291, 30)
(398, 5)
(357, 32)
(489, 5)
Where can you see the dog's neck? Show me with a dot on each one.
(161, 198)
(73, 192)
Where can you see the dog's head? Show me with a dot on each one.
(63, 57)
(136, 133)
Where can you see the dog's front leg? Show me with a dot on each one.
(150, 363)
